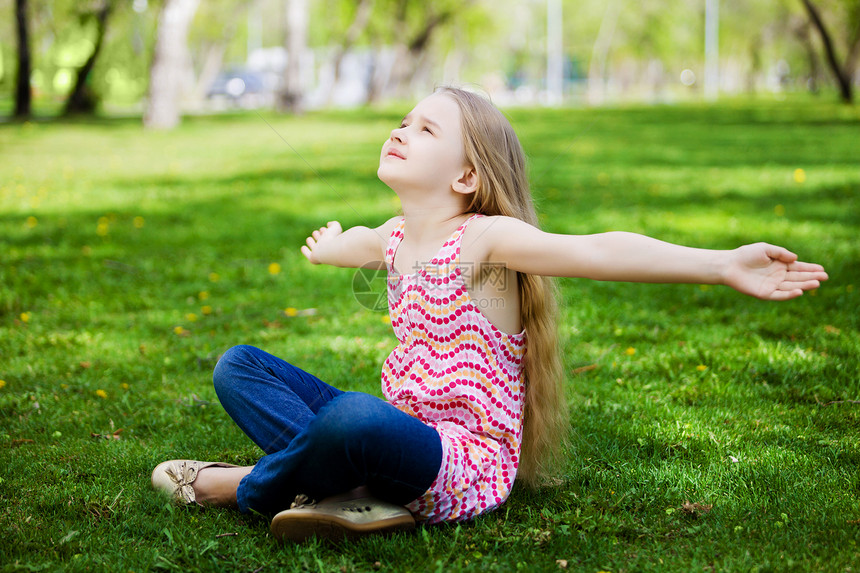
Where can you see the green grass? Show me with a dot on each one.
(129, 260)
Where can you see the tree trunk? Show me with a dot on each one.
(81, 98)
(292, 94)
(597, 80)
(803, 35)
(213, 58)
(755, 47)
(843, 77)
(170, 63)
(412, 56)
(358, 25)
(23, 93)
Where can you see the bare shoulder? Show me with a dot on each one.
(380, 235)
(484, 234)
(384, 230)
(376, 236)
(497, 225)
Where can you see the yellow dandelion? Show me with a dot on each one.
(124, 386)
(701, 367)
(102, 228)
(191, 317)
(179, 330)
(274, 269)
(2, 383)
(799, 175)
(386, 319)
(101, 393)
(32, 222)
(290, 311)
(25, 317)
(214, 277)
(779, 211)
(138, 222)
(206, 310)
(630, 351)
(203, 295)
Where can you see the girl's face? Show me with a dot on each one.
(426, 152)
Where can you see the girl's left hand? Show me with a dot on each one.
(769, 272)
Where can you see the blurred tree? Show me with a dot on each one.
(597, 68)
(404, 47)
(215, 26)
(843, 73)
(292, 93)
(82, 98)
(23, 92)
(170, 64)
(410, 27)
(803, 32)
(360, 20)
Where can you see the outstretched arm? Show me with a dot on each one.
(760, 270)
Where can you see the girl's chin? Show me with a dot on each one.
(392, 180)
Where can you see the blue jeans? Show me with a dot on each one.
(320, 441)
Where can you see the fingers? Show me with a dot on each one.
(790, 289)
(801, 285)
(795, 276)
(780, 253)
(781, 295)
(332, 228)
(816, 270)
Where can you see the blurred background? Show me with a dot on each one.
(163, 58)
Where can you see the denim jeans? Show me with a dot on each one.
(320, 441)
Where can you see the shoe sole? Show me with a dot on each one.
(298, 527)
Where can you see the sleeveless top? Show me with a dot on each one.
(459, 374)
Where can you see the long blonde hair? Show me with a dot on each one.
(493, 149)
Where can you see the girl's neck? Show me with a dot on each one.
(428, 223)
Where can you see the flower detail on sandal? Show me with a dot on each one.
(176, 478)
(302, 501)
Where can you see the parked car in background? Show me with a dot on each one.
(242, 88)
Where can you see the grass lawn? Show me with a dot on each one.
(710, 431)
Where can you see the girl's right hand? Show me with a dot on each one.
(320, 241)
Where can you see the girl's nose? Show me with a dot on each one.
(398, 135)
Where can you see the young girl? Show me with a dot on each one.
(473, 391)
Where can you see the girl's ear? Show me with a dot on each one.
(467, 183)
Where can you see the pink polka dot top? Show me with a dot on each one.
(456, 372)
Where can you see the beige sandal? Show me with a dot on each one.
(338, 520)
(175, 478)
